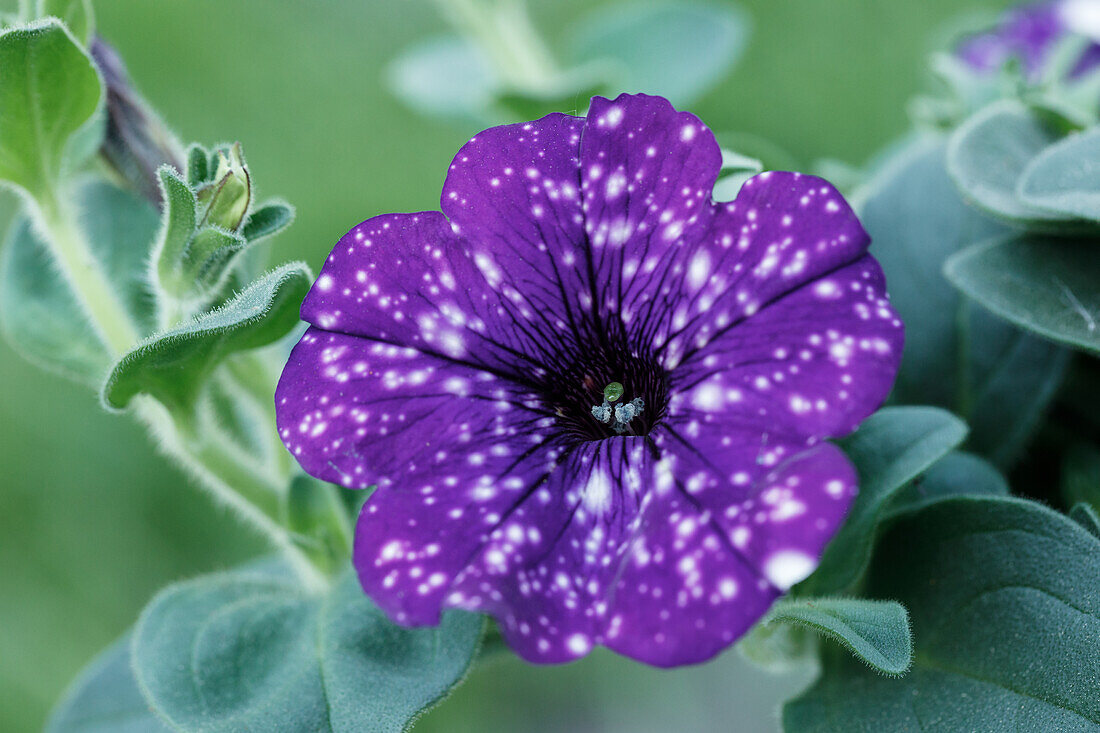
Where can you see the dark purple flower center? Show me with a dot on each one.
(574, 387)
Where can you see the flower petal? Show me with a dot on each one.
(358, 412)
(513, 192)
(683, 592)
(407, 279)
(779, 501)
(784, 230)
(545, 574)
(814, 362)
(647, 173)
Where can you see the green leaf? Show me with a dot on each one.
(677, 50)
(198, 165)
(208, 259)
(172, 366)
(105, 699)
(876, 632)
(1047, 286)
(39, 314)
(987, 156)
(955, 474)
(890, 449)
(1087, 517)
(957, 355)
(267, 221)
(1013, 378)
(1004, 600)
(382, 675)
(50, 106)
(76, 14)
(231, 652)
(249, 651)
(180, 215)
(1065, 177)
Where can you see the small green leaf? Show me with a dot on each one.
(957, 356)
(249, 651)
(1004, 601)
(172, 365)
(198, 165)
(1046, 286)
(677, 50)
(1087, 517)
(877, 632)
(105, 699)
(1065, 177)
(39, 314)
(76, 14)
(988, 154)
(955, 474)
(177, 229)
(208, 259)
(890, 449)
(50, 106)
(267, 221)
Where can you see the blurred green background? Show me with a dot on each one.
(93, 522)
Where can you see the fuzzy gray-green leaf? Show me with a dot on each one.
(1065, 177)
(267, 221)
(957, 355)
(877, 632)
(39, 314)
(172, 365)
(889, 449)
(1044, 285)
(987, 156)
(50, 106)
(250, 651)
(1004, 600)
(675, 49)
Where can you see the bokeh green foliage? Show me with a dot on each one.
(91, 519)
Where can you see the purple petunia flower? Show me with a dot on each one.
(1030, 33)
(459, 360)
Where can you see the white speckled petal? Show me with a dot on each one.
(814, 362)
(647, 172)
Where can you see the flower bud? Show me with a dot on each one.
(137, 142)
(225, 199)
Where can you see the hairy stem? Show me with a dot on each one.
(253, 375)
(228, 472)
(231, 481)
(57, 218)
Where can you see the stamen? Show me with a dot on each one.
(623, 414)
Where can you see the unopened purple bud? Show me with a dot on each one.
(137, 142)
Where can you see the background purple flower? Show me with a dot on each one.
(1029, 34)
(454, 360)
